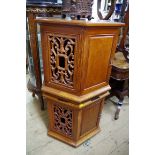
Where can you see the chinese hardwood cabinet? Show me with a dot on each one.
(77, 63)
(37, 9)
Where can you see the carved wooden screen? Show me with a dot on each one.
(63, 121)
(62, 59)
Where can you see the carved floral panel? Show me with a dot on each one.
(63, 120)
(62, 59)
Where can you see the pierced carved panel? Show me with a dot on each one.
(77, 7)
(62, 59)
(63, 120)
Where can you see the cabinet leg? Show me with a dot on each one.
(33, 94)
(119, 105)
(41, 102)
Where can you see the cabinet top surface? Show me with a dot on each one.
(85, 23)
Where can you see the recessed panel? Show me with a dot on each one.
(98, 60)
(90, 117)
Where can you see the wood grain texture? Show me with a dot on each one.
(89, 121)
(98, 58)
(104, 142)
(47, 92)
(72, 124)
(93, 22)
(88, 66)
(77, 63)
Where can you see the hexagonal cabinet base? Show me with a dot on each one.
(70, 141)
(74, 123)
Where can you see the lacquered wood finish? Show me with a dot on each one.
(71, 98)
(85, 23)
(92, 46)
(77, 59)
(83, 122)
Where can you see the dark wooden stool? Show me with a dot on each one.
(119, 80)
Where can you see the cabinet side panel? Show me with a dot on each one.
(98, 60)
(61, 50)
(90, 117)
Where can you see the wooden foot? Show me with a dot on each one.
(37, 92)
(33, 94)
(27, 71)
(41, 102)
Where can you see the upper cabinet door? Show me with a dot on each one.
(61, 53)
(99, 51)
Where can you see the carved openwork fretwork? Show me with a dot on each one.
(62, 59)
(63, 120)
(47, 10)
(77, 7)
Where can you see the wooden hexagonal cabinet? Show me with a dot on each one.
(77, 57)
